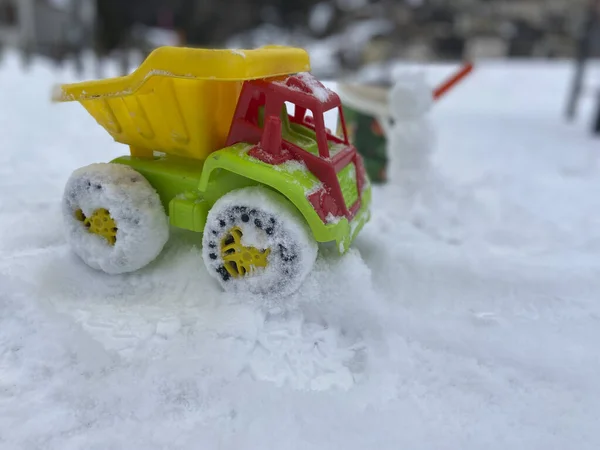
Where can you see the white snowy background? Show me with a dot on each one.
(470, 320)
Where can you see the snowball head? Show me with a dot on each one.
(410, 97)
(267, 220)
(133, 204)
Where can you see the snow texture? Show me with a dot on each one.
(468, 320)
(143, 227)
(318, 90)
(267, 221)
(239, 53)
(410, 135)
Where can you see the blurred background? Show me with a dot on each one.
(342, 35)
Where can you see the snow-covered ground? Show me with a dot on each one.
(468, 321)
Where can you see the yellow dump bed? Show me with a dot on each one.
(180, 100)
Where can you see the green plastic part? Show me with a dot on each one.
(366, 135)
(176, 182)
(188, 188)
(347, 179)
(189, 214)
(171, 176)
(293, 180)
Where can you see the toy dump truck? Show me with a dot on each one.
(229, 143)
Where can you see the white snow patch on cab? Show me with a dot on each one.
(319, 91)
(291, 166)
(331, 219)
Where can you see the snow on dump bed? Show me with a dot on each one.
(467, 320)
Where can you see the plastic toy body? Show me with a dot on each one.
(202, 124)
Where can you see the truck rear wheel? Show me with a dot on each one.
(256, 241)
(113, 218)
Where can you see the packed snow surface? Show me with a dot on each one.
(468, 319)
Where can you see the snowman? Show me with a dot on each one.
(410, 133)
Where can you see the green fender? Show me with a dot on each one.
(232, 167)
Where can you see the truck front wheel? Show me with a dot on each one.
(256, 241)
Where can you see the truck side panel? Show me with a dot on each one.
(188, 188)
(171, 176)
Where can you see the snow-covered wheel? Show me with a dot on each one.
(256, 241)
(113, 217)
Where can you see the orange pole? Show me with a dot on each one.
(465, 70)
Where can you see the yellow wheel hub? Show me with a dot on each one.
(100, 223)
(240, 259)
